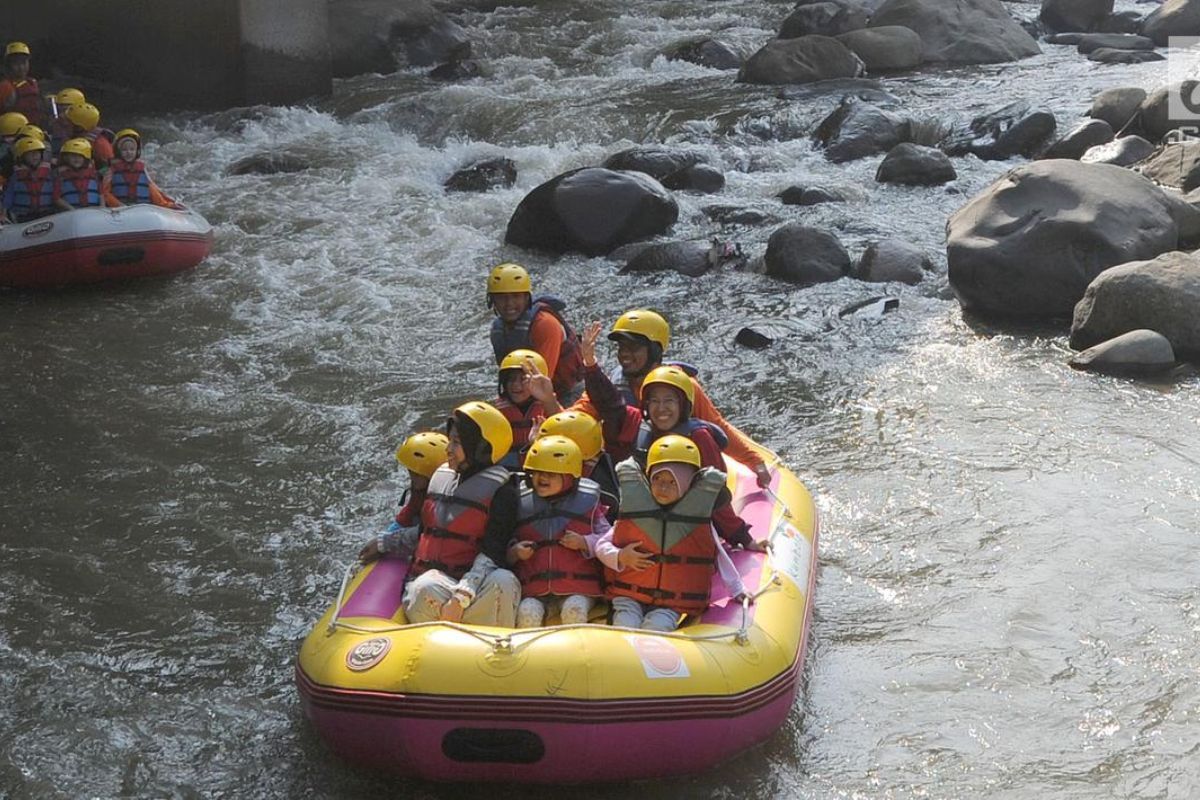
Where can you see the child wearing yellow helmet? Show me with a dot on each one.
(526, 396)
(59, 126)
(29, 191)
(85, 124)
(18, 91)
(77, 183)
(127, 181)
(420, 454)
(10, 130)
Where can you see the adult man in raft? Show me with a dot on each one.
(525, 322)
(642, 337)
(18, 91)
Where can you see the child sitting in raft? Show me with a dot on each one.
(559, 520)
(28, 194)
(76, 184)
(127, 181)
(584, 430)
(420, 454)
(665, 539)
(522, 402)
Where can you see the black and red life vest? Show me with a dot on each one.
(454, 519)
(555, 569)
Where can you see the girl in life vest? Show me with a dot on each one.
(559, 522)
(665, 545)
(59, 126)
(85, 124)
(421, 454)
(18, 91)
(29, 193)
(76, 184)
(127, 181)
(524, 393)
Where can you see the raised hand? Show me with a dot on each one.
(587, 343)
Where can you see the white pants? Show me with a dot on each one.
(629, 613)
(573, 609)
(495, 603)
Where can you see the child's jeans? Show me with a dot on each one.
(629, 613)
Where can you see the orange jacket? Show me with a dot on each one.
(546, 337)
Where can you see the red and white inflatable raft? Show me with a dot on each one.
(102, 244)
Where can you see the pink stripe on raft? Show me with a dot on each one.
(380, 593)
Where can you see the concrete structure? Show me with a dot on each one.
(206, 54)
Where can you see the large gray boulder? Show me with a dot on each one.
(1174, 165)
(1075, 15)
(1139, 352)
(960, 31)
(1169, 107)
(803, 60)
(1173, 18)
(705, 51)
(855, 130)
(1080, 139)
(887, 49)
(1115, 41)
(915, 165)
(1015, 129)
(805, 256)
(383, 35)
(591, 211)
(655, 160)
(893, 260)
(1029, 244)
(1123, 152)
(1117, 106)
(1161, 294)
(824, 19)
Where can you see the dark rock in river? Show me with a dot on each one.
(915, 165)
(696, 178)
(1175, 165)
(687, 258)
(1122, 152)
(805, 256)
(483, 175)
(1170, 107)
(364, 36)
(1012, 130)
(457, 70)
(1173, 18)
(737, 215)
(1029, 244)
(1114, 41)
(655, 160)
(1122, 22)
(706, 51)
(885, 49)
(1080, 139)
(1107, 55)
(816, 195)
(961, 32)
(855, 129)
(802, 60)
(1075, 15)
(893, 260)
(267, 163)
(824, 19)
(592, 211)
(1117, 106)
(1137, 353)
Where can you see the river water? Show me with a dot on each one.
(1007, 602)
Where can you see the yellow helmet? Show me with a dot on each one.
(33, 132)
(84, 115)
(671, 449)
(517, 358)
(80, 147)
(506, 278)
(493, 426)
(556, 454)
(69, 97)
(423, 453)
(26, 144)
(17, 49)
(670, 376)
(12, 122)
(581, 428)
(645, 323)
(131, 133)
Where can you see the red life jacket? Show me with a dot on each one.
(32, 192)
(454, 519)
(410, 508)
(79, 187)
(29, 101)
(555, 569)
(129, 182)
(522, 422)
(680, 537)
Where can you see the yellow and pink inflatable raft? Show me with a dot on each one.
(571, 703)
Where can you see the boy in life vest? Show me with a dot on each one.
(10, 130)
(18, 91)
(667, 545)
(585, 431)
(85, 124)
(467, 521)
(641, 337)
(76, 183)
(127, 181)
(559, 522)
(29, 193)
(60, 127)
(421, 454)
(518, 403)
(534, 323)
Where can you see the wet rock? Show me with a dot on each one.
(696, 178)
(1122, 152)
(816, 195)
(802, 60)
(737, 215)
(1175, 165)
(1160, 111)
(267, 163)
(1117, 106)
(457, 70)
(1114, 41)
(705, 51)
(837, 90)
(687, 258)
(1107, 55)
(755, 340)
(1012, 130)
(963, 32)
(915, 165)
(1172, 18)
(855, 129)
(805, 256)
(1029, 244)
(1074, 15)
(885, 49)
(1080, 139)
(365, 36)
(1139, 352)
(1064, 38)
(1161, 294)
(656, 161)
(1122, 22)
(592, 211)
(824, 19)
(893, 260)
(483, 175)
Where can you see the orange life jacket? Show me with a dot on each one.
(28, 101)
(555, 569)
(680, 537)
(454, 519)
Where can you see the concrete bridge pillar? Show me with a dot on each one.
(183, 53)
